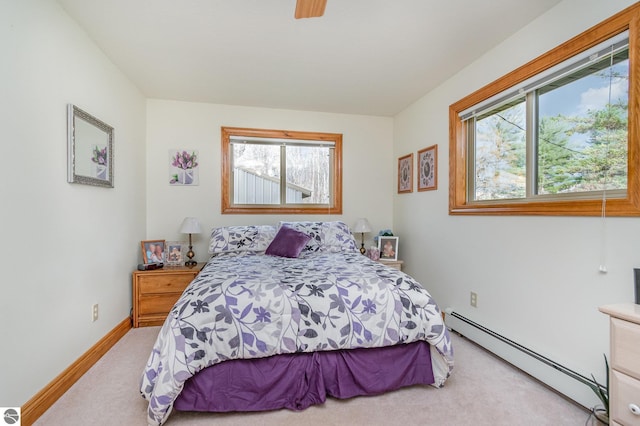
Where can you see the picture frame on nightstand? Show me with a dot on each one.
(175, 253)
(388, 247)
(152, 251)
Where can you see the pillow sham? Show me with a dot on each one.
(241, 238)
(325, 236)
(288, 243)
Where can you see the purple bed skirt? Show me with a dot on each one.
(296, 381)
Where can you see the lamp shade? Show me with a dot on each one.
(190, 225)
(362, 225)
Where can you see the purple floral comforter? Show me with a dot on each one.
(254, 306)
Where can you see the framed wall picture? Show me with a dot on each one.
(388, 247)
(152, 251)
(428, 168)
(183, 167)
(89, 149)
(405, 174)
(175, 253)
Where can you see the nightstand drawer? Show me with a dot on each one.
(625, 350)
(164, 283)
(395, 264)
(155, 292)
(625, 391)
(157, 303)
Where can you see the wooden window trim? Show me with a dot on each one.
(229, 208)
(459, 204)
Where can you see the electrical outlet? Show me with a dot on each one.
(474, 299)
(94, 313)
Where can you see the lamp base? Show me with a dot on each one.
(362, 249)
(190, 263)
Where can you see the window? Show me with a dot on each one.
(556, 136)
(275, 171)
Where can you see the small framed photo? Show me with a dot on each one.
(175, 253)
(152, 251)
(388, 247)
(405, 174)
(428, 168)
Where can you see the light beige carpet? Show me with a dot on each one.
(483, 390)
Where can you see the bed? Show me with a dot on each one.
(267, 326)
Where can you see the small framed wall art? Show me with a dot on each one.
(405, 174)
(152, 251)
(175, 253)
(428, 168)
(388, 247)
(183, 167)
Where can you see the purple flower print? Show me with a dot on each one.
(183, 160)
(369, 306)
(262, 314)
(99, 155)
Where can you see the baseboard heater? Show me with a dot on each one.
(531, 353)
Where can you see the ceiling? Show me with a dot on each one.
(372, 57)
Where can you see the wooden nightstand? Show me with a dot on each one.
(397, 264)
(155, 292)
(624, 388)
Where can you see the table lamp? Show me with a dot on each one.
(190, 225)
(362, 226)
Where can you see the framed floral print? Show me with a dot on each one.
(428, 168)
(405, 174)
(89, 149)
(183, 167)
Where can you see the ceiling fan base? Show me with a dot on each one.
(310, 8)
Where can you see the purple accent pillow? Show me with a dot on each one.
(288, 243)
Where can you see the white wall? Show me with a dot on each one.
(64, 246)
(368, 175)
(67, 246)
(536, 278)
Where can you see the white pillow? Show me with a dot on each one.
(241, 238)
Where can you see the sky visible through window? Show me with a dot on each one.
(581, 137)
(588, 93)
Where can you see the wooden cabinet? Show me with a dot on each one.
(397, 264)
(624, 386)
(155, 292)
